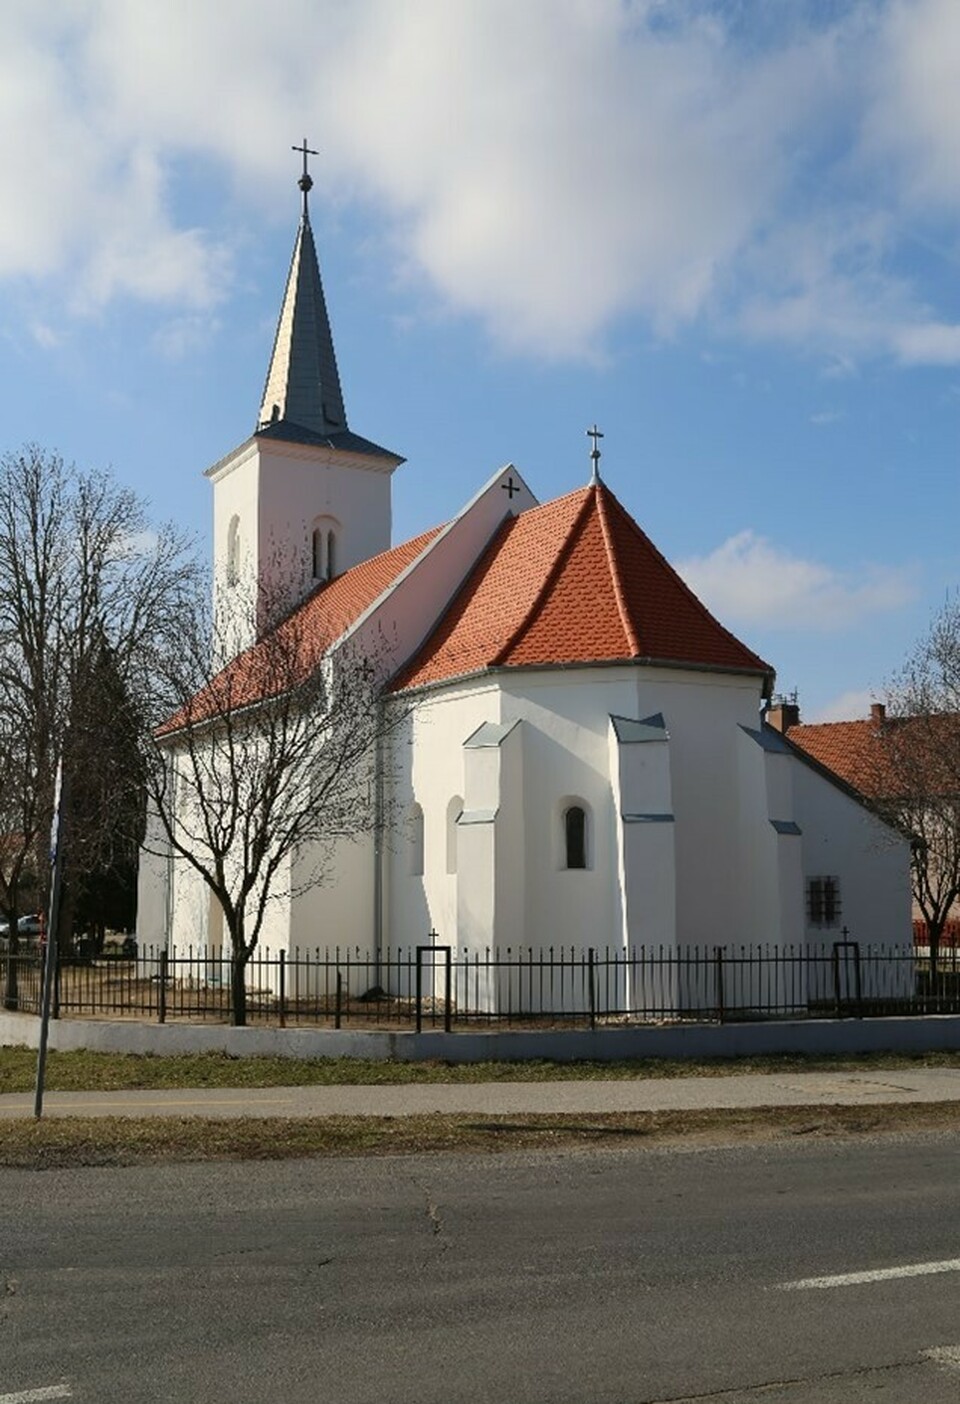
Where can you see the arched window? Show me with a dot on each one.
(575, 836)
(233, 550)
(416, 841)
(454, 810)
(324, 548)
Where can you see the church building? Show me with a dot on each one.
(585, 759)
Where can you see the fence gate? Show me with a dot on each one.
(847, 992)
(432, 951)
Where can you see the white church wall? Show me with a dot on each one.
(844, 840)
(703, 712)
(236, 485)
(411, 608)
(566, 762)
(646, 856)
(300, 483)
(335, 905)
(152, 887)
(429, 771)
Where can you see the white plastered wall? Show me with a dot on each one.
(841, 838)
(566, 759)
(277, 491)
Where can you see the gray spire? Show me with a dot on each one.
(303, 385)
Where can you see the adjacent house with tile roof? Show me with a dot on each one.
(583, 758)
(905, 766)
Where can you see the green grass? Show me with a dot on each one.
(103, 1072)
(74, 1142)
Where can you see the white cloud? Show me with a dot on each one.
(911, 115)
(46, 336)
(547, 167)
(823, 417)
(848, 706)
(749, 580)
(180, 336)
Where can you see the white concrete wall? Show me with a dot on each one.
(299, 483)
(841, 838)
(428, 768)
(335, 907)
(812, 1036)
(236, 486)
(152, 887)
(566, 759)
(277, 491)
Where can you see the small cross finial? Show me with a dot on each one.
(305, 182)
(595, 434)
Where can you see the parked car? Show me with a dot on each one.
(28, 929)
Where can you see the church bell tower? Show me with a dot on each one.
(304, 498)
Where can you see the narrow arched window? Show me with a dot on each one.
(233, 550)
(416, 841)
(575, 836)
(454, 810)
(324, 547)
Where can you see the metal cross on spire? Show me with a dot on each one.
(305, 182)
(595, 434)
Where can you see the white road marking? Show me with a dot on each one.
(27, 1396)
(944, 1355)
(853, 1279)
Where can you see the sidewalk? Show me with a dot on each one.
(510, 1098)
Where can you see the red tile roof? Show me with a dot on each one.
(851, 749)
(574, 581)
(887, 759)
(295, 647)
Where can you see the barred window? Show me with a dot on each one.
(823, 901)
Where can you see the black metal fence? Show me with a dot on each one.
(435, 986)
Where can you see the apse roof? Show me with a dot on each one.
(574, 581)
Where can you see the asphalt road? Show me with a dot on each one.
(571, 1278)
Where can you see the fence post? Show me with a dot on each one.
(419, 990)
(592, 983)
(55, 1011)
(448, 989)
(283, 989)
(718, 981)
(162, 1006)
(338, 1002)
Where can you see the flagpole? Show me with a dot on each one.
(53, 923)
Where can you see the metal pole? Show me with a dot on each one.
(718, 976)
(53, 922)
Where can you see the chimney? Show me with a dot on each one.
(782, 715)
(878, 713)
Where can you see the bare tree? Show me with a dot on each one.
(917, 769)
(265, 765)
(80, 573)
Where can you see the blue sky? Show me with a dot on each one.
(729, 233)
